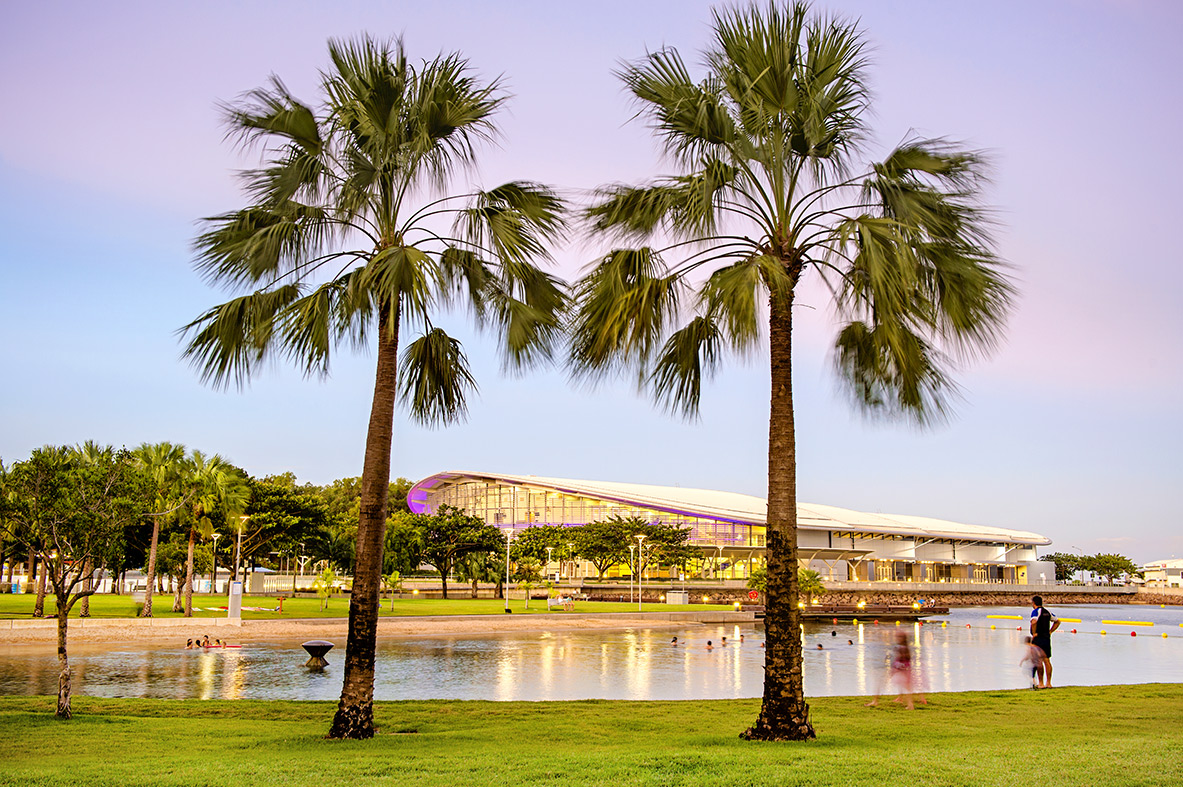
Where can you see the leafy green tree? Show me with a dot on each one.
(663, 543)
(483, 566)
(605, 543)
(346, 241)
(533, 541)
(769, 190)
(281, 515)
(1111, 566)
(404, 543)
(72, 509)
(450, 535)
(1066, 564)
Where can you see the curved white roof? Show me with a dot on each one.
(735, 507)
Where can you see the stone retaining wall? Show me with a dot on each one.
(943, 598)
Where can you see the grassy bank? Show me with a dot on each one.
(20, 606)
(1124, 735)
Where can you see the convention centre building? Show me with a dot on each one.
(729, 529)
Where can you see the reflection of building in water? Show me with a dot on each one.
(729, 530)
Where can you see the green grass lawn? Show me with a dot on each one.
(1112, 735)
(109, 606)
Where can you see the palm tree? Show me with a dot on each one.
(347, 239)
(162, 463)
(210, 485)
(769, 191)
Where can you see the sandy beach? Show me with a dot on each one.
(168, 629)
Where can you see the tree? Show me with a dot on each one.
(346, 242)
(533, 541)
(527, 573)
(1109, 565)
(404, 543)
(212, 487)
(605, 543)
(326, 583)
(1066, 564)
(810, 583)
(72, 508)
(450, 535)
(768, 190)
(162, 463)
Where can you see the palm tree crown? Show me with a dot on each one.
(768, 188)
(347, 240)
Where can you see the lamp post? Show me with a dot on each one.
(508, 536)
(571, 561)
(213, 588)
(640, 576)
(549, 558)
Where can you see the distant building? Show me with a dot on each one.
(1164, 574)
(729, 529)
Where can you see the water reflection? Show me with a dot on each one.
(630, 664)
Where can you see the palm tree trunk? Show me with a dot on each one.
(189, 574)
(84, 607)
(63, 709)
(39, 605)
(355, 711)
(784, 715)
(146, 612)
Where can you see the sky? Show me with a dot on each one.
(112, 149)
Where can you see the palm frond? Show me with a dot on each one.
(891, 370)
(690, 117)
(689, 355)
(230, 340)
(434, 380)
(625, 304)
(258, 243)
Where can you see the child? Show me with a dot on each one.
(1033, 655)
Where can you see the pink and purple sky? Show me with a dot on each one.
(111, 148)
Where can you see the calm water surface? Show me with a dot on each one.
(634, 664)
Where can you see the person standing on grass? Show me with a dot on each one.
(1043, 623)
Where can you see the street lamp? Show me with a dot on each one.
(213, 587)
(640, 576)
(549, 557)
(571, 560)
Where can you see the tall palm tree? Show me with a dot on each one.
(162, 463)
(769, 190)
(210, 485)
(347, 239)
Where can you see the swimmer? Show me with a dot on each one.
(819, 646)
(723, 642)
(709, 645)
(741, 639)
(833, 633)
(674, 642)
(850, 642)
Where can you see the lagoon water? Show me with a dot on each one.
(633, 664)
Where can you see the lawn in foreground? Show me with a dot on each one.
(1110, 735)
(20, 606)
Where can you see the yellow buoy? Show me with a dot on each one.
(897, 623)
(991, 626)
(1103, 631)
(1164, 635)
(944, 624)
